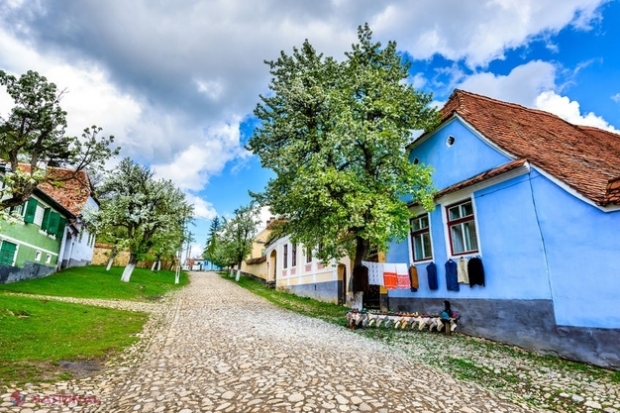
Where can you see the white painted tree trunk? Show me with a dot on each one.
(231, 273)
(177, 275)
(153, 266)
(110, 261)
(238, 275)
(158, 265)
(127, 272)
(358, 300)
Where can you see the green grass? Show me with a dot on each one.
(36, 335)
(96, 282)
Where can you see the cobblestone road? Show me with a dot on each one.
(214, 347)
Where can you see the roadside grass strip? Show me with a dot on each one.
(96, 282)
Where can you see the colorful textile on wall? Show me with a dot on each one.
(463, 275)
(390, 279)
(375, 272)
(452, 282)
(402, 277)
(431, 272)
(476, 272)
(413, 277)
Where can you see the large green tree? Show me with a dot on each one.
(335, 134)
(33, 133)
(137, 211)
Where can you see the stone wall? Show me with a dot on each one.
(102, 252)
(9, 274)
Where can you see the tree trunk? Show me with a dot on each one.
(110, 261)
(158, 265)
(153, 266)
(238, 274)
(133, 260)
(362, 246)
(230, 274)
(113, 255)
(177, 274)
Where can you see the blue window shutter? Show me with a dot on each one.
(31, 210)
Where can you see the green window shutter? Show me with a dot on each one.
(7, 253)
(52, 224)
(31, 210)
(61, 227)
(46, 219)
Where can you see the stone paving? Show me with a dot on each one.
(215, 347)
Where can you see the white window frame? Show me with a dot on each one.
(412, 256)
(446, 224)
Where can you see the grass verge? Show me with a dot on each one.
(96, 282)
(38, 336)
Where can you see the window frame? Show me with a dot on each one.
(293, 255)
(414, 233)
(285, 256)
(450, 223)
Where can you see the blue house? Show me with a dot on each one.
(536, 200)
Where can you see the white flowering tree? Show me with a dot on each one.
(137, 211)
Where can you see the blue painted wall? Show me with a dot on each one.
(467, 157)
(583, 250)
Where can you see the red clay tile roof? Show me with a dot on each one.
(70, 193)
(586, 159)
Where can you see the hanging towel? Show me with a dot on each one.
(476, 272)
(402, 276)
(390, 280)
(431, 273)
(452, 281)
(463, 275)
(413, 277)
(375, 272)
(360, 279)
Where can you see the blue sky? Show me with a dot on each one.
(176, 81)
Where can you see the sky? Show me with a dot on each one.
(176, 81)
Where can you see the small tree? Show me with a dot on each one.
(34, 133)
(238, 235)
(335, 135)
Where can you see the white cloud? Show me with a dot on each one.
(570, 111)
(202, 208)
(522, 85)
(616, 98)
(191, 168)
(478, 32)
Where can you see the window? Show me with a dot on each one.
(7, 253)
(294, 255)
(308, 255)
(462, 228)
(421, 238)
(37, 256)
(48, 259)
(285, 256)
